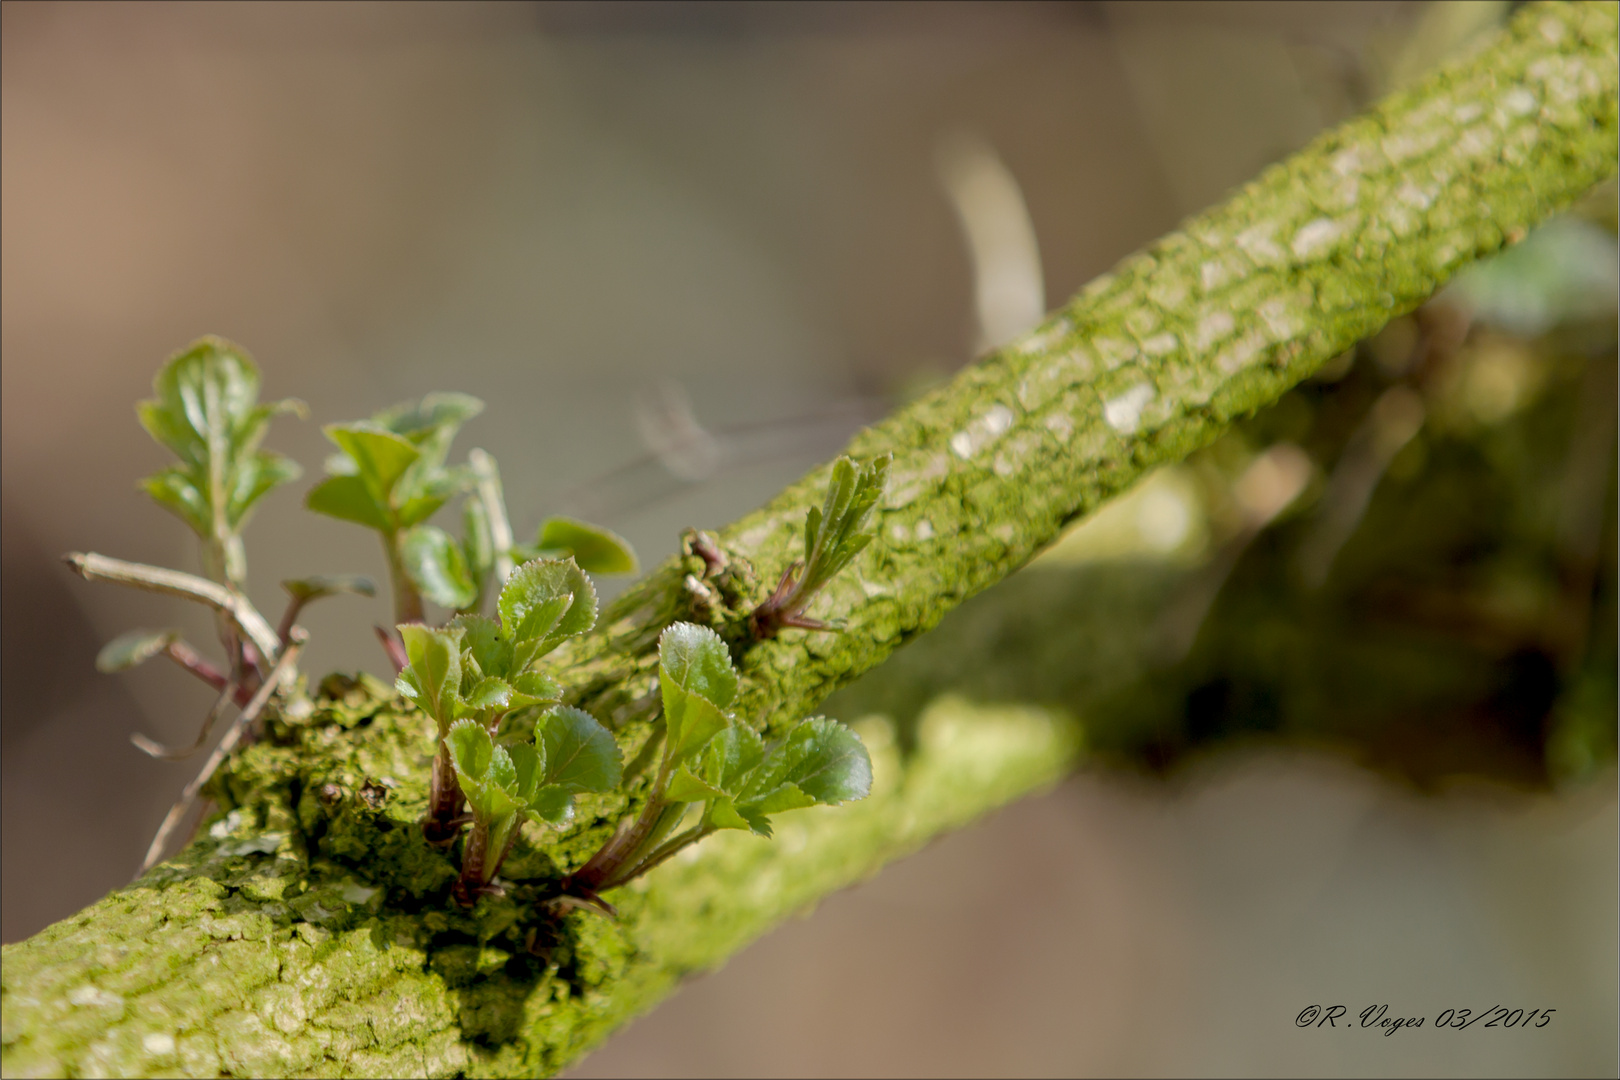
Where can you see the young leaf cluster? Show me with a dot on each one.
(473, 672)
(719, 765)
(207, 413)
(206, 410)
(834, 534)
(571, 754)
(391, 475)
(478, 667)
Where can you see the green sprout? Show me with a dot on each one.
(478, 668)
(571, 754)
(833, 535)
(391, 475)
(713, 762)
(595, 549)
(206, 411)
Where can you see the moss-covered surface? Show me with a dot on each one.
(308, 932)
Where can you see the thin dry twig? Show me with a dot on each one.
(283, 670)
(227, 694)
(93, 567)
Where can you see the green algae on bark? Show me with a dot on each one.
(305, 932)
(268, 949)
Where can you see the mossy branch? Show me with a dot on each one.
(251, 955)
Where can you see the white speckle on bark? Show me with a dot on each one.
(751, 539)
(1124, 412)
(1043, 339)
(1414, 196)
(1256, 242)
(1142, 322)
(1168, 294)
(158, 1043)
(1316, 237)
(1098, 286)
(1060, 425)
(869, 589)
(1552, 30)
(906, 486)
(1477, 141)
(983, 430)
(226, 825)
(1214, 327)
(93, 995)
(357, 894)
(1399, 148)
(1018, 452)
(1161, 344)
(1280, 318)
(1519, 102)
(925, 530)
(1242, 354)
(1114, 352)
(1471, 110)
(1347, 162)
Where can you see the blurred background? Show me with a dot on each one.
(1348, 675)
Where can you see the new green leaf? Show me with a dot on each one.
(486, 696)
(580, 754)
(486, 771)
(821, 758)
(820, 762)
(697, 682)
(319, 585)
(380, 456)
(596, 549)
(838, 531)
(206, 412)
(694, 659)
(438, 566)
(132, 648)
(542, 604)
(433, 677)
(483, 642)
(347, 497)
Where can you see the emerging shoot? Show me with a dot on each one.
(537, 781)
(391, 476)
(206, 411)
(833, 536)
(481, 669)
(715, 763)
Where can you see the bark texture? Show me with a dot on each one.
(307, 931)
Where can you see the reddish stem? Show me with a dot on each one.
(441, 826)
(471, 884)
(395, 649)
(194, 662)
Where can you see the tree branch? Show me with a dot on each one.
(299, 934)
